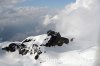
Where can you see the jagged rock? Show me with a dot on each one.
(6, 49)
(53, 39)
(26, 40)
(12, 47)
(38, 53)
(36, 57)
(23, 51)
(56, 39)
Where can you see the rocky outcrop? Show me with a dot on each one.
(23, 49)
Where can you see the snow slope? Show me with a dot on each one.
(80, 20)
(76, 53)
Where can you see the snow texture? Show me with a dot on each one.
(79, 20)
(76, 53)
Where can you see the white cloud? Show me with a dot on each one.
(9, 3)
(76, 20)
(21, 20)
(80, 20)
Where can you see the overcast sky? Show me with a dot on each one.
(22, 18)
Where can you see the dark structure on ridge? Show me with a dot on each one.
(55, 40)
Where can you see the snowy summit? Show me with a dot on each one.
(48, 49)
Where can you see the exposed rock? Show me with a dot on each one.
(23, 49)
(55, 39)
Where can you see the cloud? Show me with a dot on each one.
(17, 23)
(27, 20)
(79, 20)
(9, 3)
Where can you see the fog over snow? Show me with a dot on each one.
(79, 20)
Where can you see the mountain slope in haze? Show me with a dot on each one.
(76, 53)
(33, 44)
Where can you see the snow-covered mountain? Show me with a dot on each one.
(33, 44)
(75, 53)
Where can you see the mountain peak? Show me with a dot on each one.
(35, 44)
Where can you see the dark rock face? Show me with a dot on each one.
(12, 47)
(55, 40)
(27, 40)
(6, 49)
(22, 49)
(36, 57)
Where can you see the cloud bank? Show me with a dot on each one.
(17, 23)
(79, 20)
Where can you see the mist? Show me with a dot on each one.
(79, 20)
(17, 23)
